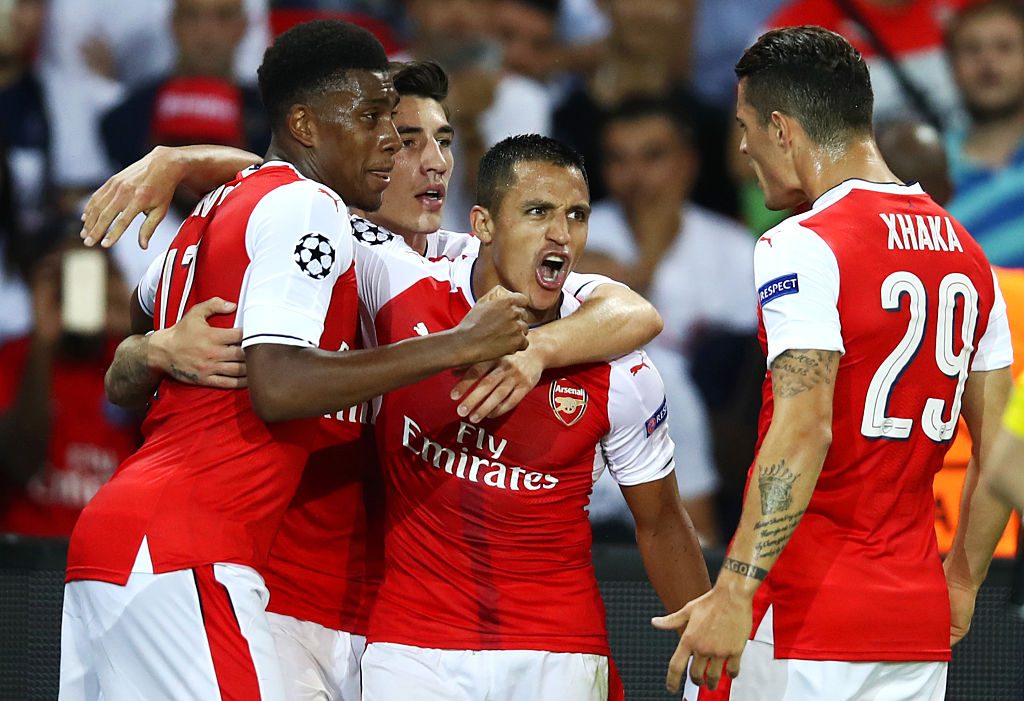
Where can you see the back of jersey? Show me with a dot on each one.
(884, 275)
(211, 480)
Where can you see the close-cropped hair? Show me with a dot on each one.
(497, 168)
(310, 58)
(812, 75)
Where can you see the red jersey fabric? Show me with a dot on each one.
(211, 481)
(487, 544)
(89, 437)
(883, 274)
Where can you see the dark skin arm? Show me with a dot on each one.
(289, 382)
(668, 542)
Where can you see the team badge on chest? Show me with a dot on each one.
(568, 401)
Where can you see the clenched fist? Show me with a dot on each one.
(496, 326)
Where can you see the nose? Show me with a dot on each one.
(558, 230)
(389, 140)
(433, 159)
(743, 145)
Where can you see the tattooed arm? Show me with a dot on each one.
(787, 467)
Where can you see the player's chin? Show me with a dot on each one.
(368, 201)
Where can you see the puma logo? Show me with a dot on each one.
(637, 368)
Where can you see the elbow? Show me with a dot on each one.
(649, 323)
(271, 402)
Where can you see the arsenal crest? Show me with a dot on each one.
(568, 401)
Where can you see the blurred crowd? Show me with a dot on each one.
(644, 89)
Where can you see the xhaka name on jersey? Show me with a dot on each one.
(460, 462)
(921, 233)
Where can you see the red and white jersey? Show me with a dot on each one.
(211, 481)
(882, 274)
(487, 543)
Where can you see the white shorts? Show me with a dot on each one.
(764, 678)
(317, 663)
(190, 634)
(392, 671)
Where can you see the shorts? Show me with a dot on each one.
(764, 678)
(200, 633)
(392, 671)
(317, 663)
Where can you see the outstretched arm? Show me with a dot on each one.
(612, 321)
(982, 516)
(786, 471)
(147, 186)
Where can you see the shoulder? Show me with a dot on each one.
(366, 232)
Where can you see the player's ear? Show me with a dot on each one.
(302, 125)
(781, 130)
(482, 223)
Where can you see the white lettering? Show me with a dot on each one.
(935, 224)
(954, 242)
(909, 235)
(496, 477)
(532, 481)
(894, 239)
(924, 241)
(496, 450)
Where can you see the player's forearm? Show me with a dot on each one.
(25, 428)
(287, 382)
(783, 479)
(613, 321)
(982, 516)
(672, 557)
(1006, 476)
(133, 375)
(203, 167)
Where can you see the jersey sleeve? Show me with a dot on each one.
(797, 279)
(149, 283)
(299, 242)
(995, 349)
(583, 285)
(637, 448)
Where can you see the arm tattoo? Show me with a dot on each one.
(796, 371)
(130, 382)
(771, 533)
(744, 569)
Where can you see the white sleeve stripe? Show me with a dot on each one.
(146, 307)
(275, 338)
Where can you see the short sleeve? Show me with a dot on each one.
(637, 448)
(995, 349)
(149, 283)
(299, 242)
(582, 285)
(797, 280)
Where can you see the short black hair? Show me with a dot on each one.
(311, 57)
(1008, 8)
(496, 176)
(420, 79)
(813, 75)
(634, 108)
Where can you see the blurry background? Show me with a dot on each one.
(643, 88)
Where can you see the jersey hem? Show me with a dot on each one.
(507, 643)
(334, 621)
(796, 653)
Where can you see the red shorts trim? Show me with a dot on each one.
(232, 659)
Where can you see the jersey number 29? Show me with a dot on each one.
(876, 424)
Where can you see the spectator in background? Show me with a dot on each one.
(199, 102)
(645, 56)
(902, 42)
(695, 266)
(986, 46)
(60, 439)
(488, 100)
(915, 153)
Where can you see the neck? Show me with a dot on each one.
(486, 278)
(994, 140)
(823, 169)
(295, 154)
